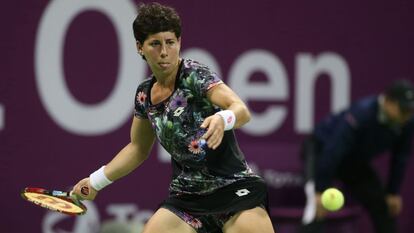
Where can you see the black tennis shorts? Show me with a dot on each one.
(240, 195)
(208, 213)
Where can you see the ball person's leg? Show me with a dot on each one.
(367, 188)
(310, 152)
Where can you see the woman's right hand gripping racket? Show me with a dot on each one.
(64, 202)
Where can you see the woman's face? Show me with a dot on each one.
(161, 50)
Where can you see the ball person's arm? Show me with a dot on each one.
(222, 96)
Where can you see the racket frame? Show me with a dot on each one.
(66, 196)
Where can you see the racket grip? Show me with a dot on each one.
(85, 191)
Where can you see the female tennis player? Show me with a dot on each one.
(192, 113)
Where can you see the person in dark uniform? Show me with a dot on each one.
(342, 147)
(193, 114)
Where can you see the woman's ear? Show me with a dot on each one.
(139, 48)
(179, 40)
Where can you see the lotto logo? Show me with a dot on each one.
(178, 111)
(229, 119)
(242, 192)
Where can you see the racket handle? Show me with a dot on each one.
(85, 191)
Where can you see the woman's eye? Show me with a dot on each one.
(153, 44)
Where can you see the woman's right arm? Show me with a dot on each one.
(129, 158)
(133, 154)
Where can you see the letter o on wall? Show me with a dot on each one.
(70, 114)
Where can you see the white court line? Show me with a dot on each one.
(2, 117)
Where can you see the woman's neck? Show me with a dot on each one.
(167, 80)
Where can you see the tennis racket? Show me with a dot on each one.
(60, 201)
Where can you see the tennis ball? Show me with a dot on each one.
(332, 199)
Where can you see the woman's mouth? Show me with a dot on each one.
(164, 64)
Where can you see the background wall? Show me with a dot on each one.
(69, 70)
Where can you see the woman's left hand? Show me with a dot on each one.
(215, 130)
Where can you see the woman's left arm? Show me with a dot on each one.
(225, 98)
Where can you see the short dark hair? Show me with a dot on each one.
(153, 18)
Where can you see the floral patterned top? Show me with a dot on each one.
(176, 122)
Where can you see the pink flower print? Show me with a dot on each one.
(194, 147)
(196, 223)
(189, 219)
(141, 97)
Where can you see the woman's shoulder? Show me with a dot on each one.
(145, 84)
(197, 70)
(190, 65)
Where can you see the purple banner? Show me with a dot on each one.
(69, 70)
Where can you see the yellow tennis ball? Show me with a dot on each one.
(332, 199)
